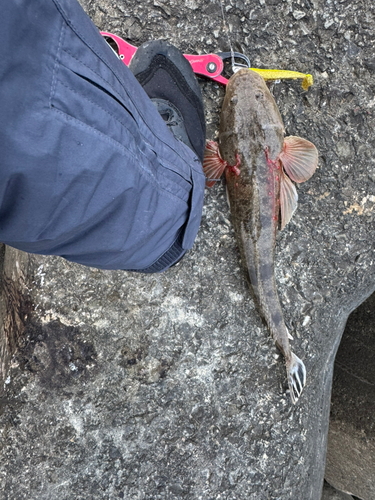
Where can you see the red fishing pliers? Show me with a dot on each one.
(209, 65)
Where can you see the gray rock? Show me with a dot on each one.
(330, 493)
(118, 385)
(351, 437)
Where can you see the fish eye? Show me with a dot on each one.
(259, 95)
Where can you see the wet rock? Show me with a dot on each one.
(330, 493)
(351, 438)
(15, 306)
(118, 385)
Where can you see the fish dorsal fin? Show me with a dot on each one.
(288, 199)
(299, 158)
(213, 164)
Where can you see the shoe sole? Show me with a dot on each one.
(163, 55)
(142, 59)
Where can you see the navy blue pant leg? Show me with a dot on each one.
(88, 169)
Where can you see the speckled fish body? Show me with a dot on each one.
(251, 125)
(251, 139)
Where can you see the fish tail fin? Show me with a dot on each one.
(296, 377)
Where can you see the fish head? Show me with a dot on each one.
(250, 116)
(248, 81)
(248, 86)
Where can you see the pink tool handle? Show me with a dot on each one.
(209, 65)
(125, 50)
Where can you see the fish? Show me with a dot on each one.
(260, 165)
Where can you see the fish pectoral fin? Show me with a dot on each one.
(288, 199)
(299, 158)
(213, 164)
(296, 377)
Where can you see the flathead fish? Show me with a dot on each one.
(260, 165)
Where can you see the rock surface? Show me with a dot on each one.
(169, 386)
(330, 493)
(351, 437)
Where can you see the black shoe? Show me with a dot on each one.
(169, 81)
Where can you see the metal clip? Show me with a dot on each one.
(235, 55)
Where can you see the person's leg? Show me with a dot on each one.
(89, 169)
